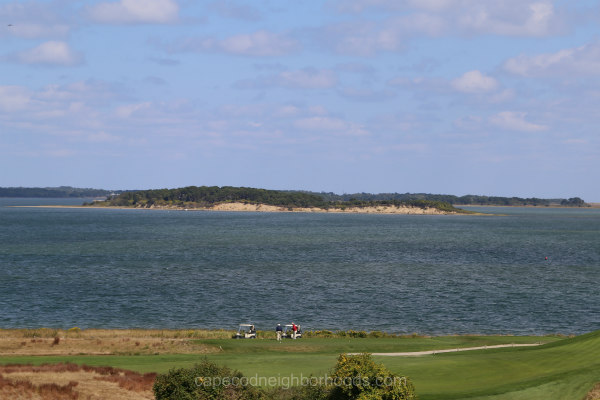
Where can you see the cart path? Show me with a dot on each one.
(430, 352)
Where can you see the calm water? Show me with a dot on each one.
(176, 269)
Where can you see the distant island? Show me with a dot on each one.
(228, 198)
(202, 197)
(53, 192)
(470, 200)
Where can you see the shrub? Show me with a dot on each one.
(357, 334)
(203, 381)
(303, 392)
(359, 377)
(322, 333)
(40, 332)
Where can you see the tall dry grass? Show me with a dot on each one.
(74, 341)
(29, 382)
(116, 333)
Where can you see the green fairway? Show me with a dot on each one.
(566, 369)
(560, 369)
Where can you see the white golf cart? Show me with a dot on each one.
(288, 332)
(246, 331)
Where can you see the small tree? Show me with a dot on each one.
(204, 381)
(358, 377)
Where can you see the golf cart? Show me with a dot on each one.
(245, 331)
(288, 332)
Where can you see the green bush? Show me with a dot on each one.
(358, 377)
(204, 381)
(355, 377)
(322, 334)
(357, 334)
(303, 392)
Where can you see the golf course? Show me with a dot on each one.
(556, 368)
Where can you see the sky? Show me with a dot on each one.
(436, 96)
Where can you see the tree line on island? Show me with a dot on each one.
(206, 196)
(52, 192)
(458, 200)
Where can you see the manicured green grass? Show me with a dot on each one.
(370, 345)
(560, 369)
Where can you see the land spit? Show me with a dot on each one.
(249, 207)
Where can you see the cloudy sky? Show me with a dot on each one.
(438, 96)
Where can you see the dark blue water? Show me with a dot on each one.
(176, 269)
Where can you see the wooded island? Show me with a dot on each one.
(210, 197)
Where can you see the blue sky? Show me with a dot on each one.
(438, 96)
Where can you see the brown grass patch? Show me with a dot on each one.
(45, 341)
(71, 381)
(594, 394)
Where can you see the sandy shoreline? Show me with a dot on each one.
(241, 207)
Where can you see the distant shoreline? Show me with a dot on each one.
(241, 207)
(590, 205)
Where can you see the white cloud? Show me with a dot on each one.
(13, 98)
(508, 17)
(580, 60)
(128, 110)
(366, 94)
(103, 137)
(502, 96)
(286, 111)
(260, 44)
(91, 92)
(475, 82)
(230, 9)
(330, 124)
(470, 123)
(407, 19)
(366, 38)
(38, 30)
(523, 18)
(308, 78)
(515, 121)
(135, 11)
(359, 6)
(60, 153)
(71, 110)
(49, 53)
(34, 20)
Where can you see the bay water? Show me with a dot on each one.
(527, 271)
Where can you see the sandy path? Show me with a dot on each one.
(430, 352)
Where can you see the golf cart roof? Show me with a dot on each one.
(246, 324)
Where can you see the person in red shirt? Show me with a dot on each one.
(294, 330)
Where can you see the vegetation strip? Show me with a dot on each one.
(193, 197)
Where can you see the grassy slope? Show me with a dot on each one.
(564, 369)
